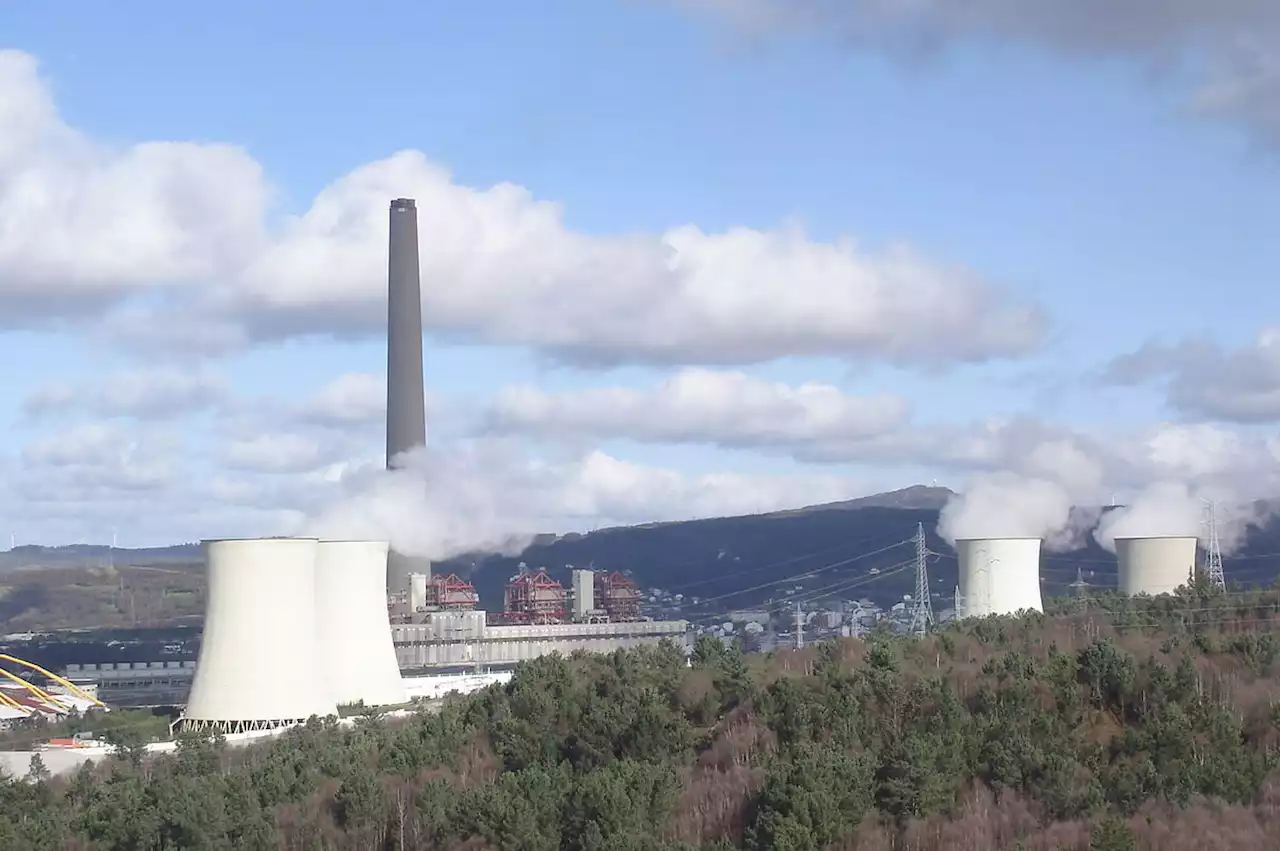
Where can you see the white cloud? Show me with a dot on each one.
(821, 424)
(353, 398)
(1226, 45)
(91, 458)
(274, 453)
(1203, 379)
(84, 225)
(702, 406)
(146, 393)
(186, 225)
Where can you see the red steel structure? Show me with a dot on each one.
(618, 596)
(534, 597)
(451, 593)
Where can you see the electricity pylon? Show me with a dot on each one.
(922, 614)
(1213, 562)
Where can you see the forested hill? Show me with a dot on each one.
(1122, 725)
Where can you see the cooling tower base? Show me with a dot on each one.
(226, 728)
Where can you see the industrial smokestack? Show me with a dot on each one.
(406, 405)
(406, 409)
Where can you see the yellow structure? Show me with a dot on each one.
(67, 684)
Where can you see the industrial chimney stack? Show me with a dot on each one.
(406, 407)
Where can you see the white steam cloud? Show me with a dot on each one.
(1172, 509)
(434, 506)
(1005, 505)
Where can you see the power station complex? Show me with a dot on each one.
(1001, 576)
(296, 627)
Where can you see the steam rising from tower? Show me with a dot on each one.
(406, 405)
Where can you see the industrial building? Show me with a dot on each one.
(296, 627)
(439, 624)
(1155, 565)
(456, 639)
(998, 576)
(437, 618)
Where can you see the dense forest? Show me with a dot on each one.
(1105, 724)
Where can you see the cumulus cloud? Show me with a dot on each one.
(353, 398)
(490, 496)
(147, 393)
(701, 406)
(93, 457)
(1226, 45)
(818, 423)
(1204, 379)
(186, 226)
(86, 225)
(274, 453)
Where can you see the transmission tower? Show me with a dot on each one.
(1080, 585)
(799, 628)
(1213, 563)
(922, 614)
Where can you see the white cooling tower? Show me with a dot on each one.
(354, 635)
(999, 576)
(258, 662)
(1155, 565)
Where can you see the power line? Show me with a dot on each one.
(780, 606)
(803, 575)
(783, 563)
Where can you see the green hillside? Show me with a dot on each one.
(1126, 725)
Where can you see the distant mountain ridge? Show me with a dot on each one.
(719, 557)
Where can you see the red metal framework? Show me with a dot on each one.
(451, 593)
(534, 597)
(618, 596)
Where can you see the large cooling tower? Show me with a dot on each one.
(406, 408)
(258, 665)
(354, 635)
(1155, 565)
(999, 576)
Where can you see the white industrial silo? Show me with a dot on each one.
(258, 663)
(357, 657)
(999, 576)
(1155, 565)
(417, 592)
(584, 593)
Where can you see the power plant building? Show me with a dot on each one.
(259, 665)
(1156, 565)
(295, 627)
(461, 639)
(353, 627)
(998, 576)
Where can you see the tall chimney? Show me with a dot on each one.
(406, 407)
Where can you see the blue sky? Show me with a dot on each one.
(1083, 183)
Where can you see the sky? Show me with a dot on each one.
(680, 258)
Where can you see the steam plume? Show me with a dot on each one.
(432, 506)
(1005, 505)
(1172, 509)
